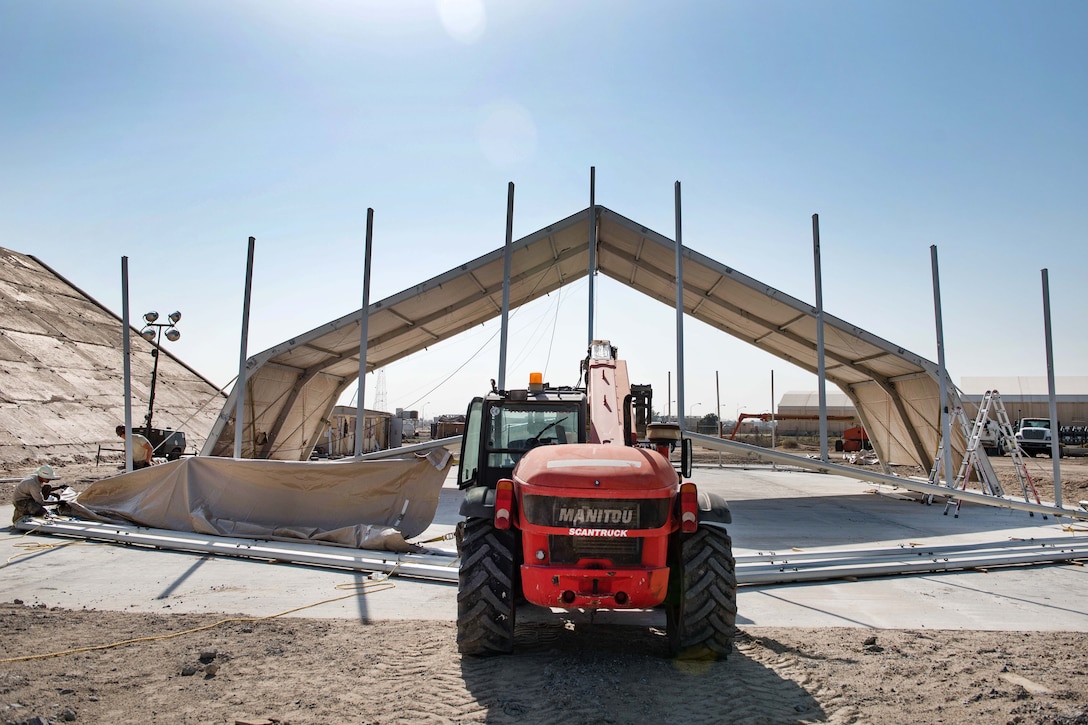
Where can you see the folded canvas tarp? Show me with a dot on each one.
(375, 504)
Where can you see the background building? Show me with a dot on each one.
(798, 414)
(1028, 397)
(1023, 397)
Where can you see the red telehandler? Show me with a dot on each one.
(571, 502)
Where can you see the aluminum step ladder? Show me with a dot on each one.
(1007, 442)
(960, 418)
(973, 462)
(987, 475)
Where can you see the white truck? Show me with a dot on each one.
(1034, 437)
(991, 439)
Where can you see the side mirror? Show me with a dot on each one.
(685, 457)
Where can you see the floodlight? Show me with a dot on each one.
(152, 334)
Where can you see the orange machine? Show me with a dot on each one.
(765, 417)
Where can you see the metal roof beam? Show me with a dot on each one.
(886, 385)
(488, 292)
(770, 326)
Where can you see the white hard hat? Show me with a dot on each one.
(46, 471)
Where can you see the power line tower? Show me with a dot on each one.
(380, 395)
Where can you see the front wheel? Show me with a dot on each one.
(485, 589)
(702, 606)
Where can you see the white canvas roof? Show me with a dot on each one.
(292, 387)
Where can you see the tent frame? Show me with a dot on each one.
(292, 387)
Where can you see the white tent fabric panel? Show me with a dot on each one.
(287, 408)
(374, 504)
(894, 390)
(904, 426)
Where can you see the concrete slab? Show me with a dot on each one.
(773, 511)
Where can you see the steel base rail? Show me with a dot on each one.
(453, 443)
(423, 566)
(824, 565)
(910, 484)
(754, 569)
(916, 549)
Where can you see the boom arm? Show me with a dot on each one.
(607, 390)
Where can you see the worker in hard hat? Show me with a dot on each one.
(32, 491)
(142, 450)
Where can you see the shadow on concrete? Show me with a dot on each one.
(182, 577)
(823, 521)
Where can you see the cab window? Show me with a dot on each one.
(514, 429)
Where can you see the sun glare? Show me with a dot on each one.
(464, 20)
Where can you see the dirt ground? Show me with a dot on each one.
(220, 669)
(1074, 475)
(335, 671)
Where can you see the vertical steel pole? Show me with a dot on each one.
(364, 334)
(1055, 429)
(946, 421)
(773, 424)
(822, 381)
(504, 331)
(592, 252)
(718, 402)
(679, 314)
(718, 409)
(126, 353)
(668, 399)
(240, 384)
(156, 350)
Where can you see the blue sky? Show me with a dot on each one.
(170, 132)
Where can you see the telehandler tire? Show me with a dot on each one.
(485, 589)
(702, 616)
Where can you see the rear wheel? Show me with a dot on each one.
(485, 590)
(702, 606)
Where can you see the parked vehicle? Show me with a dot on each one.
(1034, 437)
(991, 439)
